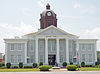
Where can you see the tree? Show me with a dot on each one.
(98, 56)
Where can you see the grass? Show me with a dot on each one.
(89, 69)
(18, 70)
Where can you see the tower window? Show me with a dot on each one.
(49, 23)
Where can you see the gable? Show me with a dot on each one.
(51, 31)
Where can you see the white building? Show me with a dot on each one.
(50, 44)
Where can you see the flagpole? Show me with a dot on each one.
(78, 60)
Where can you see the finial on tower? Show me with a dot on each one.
(48, 6)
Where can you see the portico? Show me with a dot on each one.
(54, 50)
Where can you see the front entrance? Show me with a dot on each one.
(51, 59)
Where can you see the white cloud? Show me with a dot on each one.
(9, 31)
(42, 3)
(94, 33)
(76, 5)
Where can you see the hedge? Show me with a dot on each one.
(15, 66)
(71, 63)
(71, 67)
(44, 68)
(88, 65)
(27, 66)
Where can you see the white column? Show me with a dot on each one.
(46, 51)
(67, 51)
(57, 55)
(36, 55)
(25, 53)
(5, 53)
(95, 51)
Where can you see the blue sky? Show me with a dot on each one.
(79, 17)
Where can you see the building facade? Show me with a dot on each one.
(50, 45)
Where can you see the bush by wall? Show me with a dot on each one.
(21, 65)
(83, 64)
(44, 68)
(27, 66)
(34, 65)
(97, 63)
(71, 67)
(15, 66)
(71, 63)
(3, 67)
(64, 64)
(8, 65)
(88, 65)
(41, 63)
(0, 64)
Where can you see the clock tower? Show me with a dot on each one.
(47, 18)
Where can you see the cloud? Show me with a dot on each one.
(42, 3)
(76, 5)
(9, 31)
(94, 33)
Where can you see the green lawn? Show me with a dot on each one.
(18, 70)
(89, 69)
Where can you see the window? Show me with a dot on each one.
(19, 58)
(41, 45)
(12, 58)
(12, 47)
(61, 58)
(41, 58)
(43, 25)
(52, 45)
(90, 57)
(31, 59)
(19, 47)
(83, 57)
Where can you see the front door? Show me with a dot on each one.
(51, 59)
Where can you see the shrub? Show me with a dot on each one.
(8, 65)
(83, 64)
(97, 66)
(41, 63)
(88, 65)
(1, 64)
(34, 65)
(71, 63)
(71, 67)
(21, 65)
(64, 64)
(27, 66)
(3, 67)
(15, 66)
(97, 63)
(78, 65)
(44, 68)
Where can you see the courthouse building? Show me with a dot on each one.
(50, 45)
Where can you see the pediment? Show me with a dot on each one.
(52, 31)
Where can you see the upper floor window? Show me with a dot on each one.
(19, 47)
(11, 46)
(52, 45)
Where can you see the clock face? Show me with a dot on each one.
(49, 13)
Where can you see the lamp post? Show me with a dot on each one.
(78, 59)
